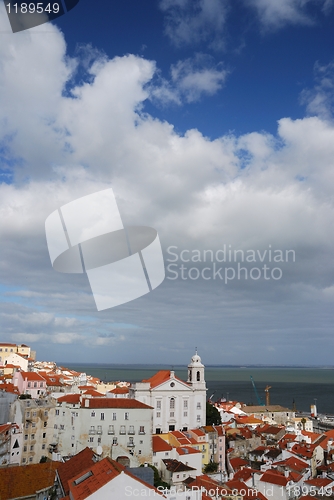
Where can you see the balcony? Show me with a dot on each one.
(131, 432)
(111, 431)
(91, 432)
(131, 445)
(99, 431)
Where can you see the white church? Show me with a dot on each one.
(177, 405)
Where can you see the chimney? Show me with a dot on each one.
(87, 403)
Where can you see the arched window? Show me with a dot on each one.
(190, 375)
(198, 376)
(172, 403)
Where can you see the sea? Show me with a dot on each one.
(292, 387)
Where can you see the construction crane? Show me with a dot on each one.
(259, 400)
(267, 394)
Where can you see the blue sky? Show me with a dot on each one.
(212, 120)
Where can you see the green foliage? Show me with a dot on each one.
(211, 467)
(212, 415)
(43, 460)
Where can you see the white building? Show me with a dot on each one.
(178, 405)
(111, 427)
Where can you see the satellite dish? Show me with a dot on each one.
(99, 450)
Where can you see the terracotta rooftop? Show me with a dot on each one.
(32, 376)
(237, 463)
(25, 480)
(275, 477)
(120, 390)
(159, 444)
(160, 377)
(113, 403)
(175, 466)
(186, 450)
(95, 477)
(69, 398)
(80, 462)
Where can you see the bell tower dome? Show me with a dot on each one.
(196, 372)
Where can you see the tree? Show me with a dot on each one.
(212, 415)
(211, 467)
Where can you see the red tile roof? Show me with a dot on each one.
(319, 482)
(274, 477)
(159, 444)
(238, 462)
(25, 480)
(120, 390)
(113, 403)
(32, 376)
(69, 398)
(76, 465)
(186, 450)
(92, 479)
(160, 377)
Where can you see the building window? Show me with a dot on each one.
(185, 413)
(91, 440)
(172, 403)
(122, 429)
(92, 414)
(99, 440)
(28, 414)
(99, 429)
(44, 435)
(29, 384)
(171, 414)
(32, 447)
(24, 460)
(35, 384)
(198, 406)
(45, 424)
(92, 429)
(111, 429)
(158, 414)
(33, 424)
(141, 429)
(198, 418)
(158, 405)
(43, 446)
(114, 441)
(24, 448)
(57, 412)
(185, 404)
(102, 416)
(114, 416)
(62, 427)
(198, 376)
(126, 415)
(32, 436)
(131, 429)
(30, 459)
(25, 437)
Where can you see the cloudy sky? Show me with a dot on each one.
(212, 120)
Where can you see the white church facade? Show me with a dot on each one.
(177, 405)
